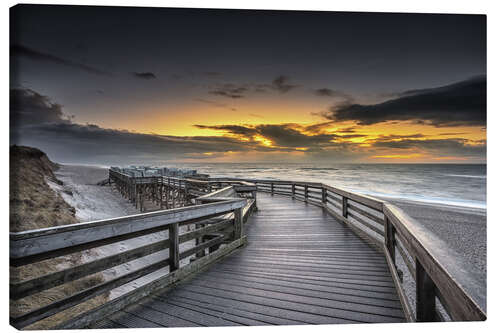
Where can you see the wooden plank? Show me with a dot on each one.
(214, 241)
(360, 211)
(205, 230)
(407, 261)
(399, 288)
(173, 236)
(461, 305)
(42, 240)
(359, 198)
(426, 296)
(366, 224)
(29, 287)
(65, 303)
(122, 301)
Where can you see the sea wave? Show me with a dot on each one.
(467, 176)
(430, 200)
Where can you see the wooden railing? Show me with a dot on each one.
(170, 192)
(211, 224)
(394, 234)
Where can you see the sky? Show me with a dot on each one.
(124, 85)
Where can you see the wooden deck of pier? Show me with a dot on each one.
(301, 266)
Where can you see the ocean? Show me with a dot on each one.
(450, 184)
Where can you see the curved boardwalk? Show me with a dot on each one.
(300, 266)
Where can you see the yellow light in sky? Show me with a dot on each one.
(398, 156)
(266, 142)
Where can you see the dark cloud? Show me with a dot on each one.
(282, 84)
(327, 92)
(28, 107)
(287, 136)
(319, 126)
(23, 51)
(347, 130)
(234, 129)
(233, 90)
(282, 135)
(461, 147)
(38, 122)
(144, 75)
(229, 90)
(459, 104)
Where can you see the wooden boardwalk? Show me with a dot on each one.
(300, 266)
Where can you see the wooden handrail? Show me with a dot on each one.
(224, 219)
(359, 212)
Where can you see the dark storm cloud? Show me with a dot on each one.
(23, 51)
(286, 136)
(29, 107)
(144, 75)
(282, 135)
(459, 104)
(282, 84)
(38, 122)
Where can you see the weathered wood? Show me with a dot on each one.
(164, 282)
(399, 288)
(65, 303)
(33, 242)
(205, 230)
(344, 207)
(426, 295)
(29, 287)
(408, 263)
(390, 239)
(202, 246)
(238, 223)
(359, 198)
(173, 236)
(460, 305)
(366, 224)
(366, 214)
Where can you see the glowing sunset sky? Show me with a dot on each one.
(116, 85)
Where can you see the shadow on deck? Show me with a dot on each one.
(301, 266)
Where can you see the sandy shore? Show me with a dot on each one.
(462, 229)
(92, 202)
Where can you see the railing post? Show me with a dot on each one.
(426, 295)
(306, 192)
(390, 239)
(293, 191)
(323, 196)
(173, 237)
(238, 223)
(344, 207)
(272, 188)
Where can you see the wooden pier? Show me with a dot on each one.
(310, 254)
